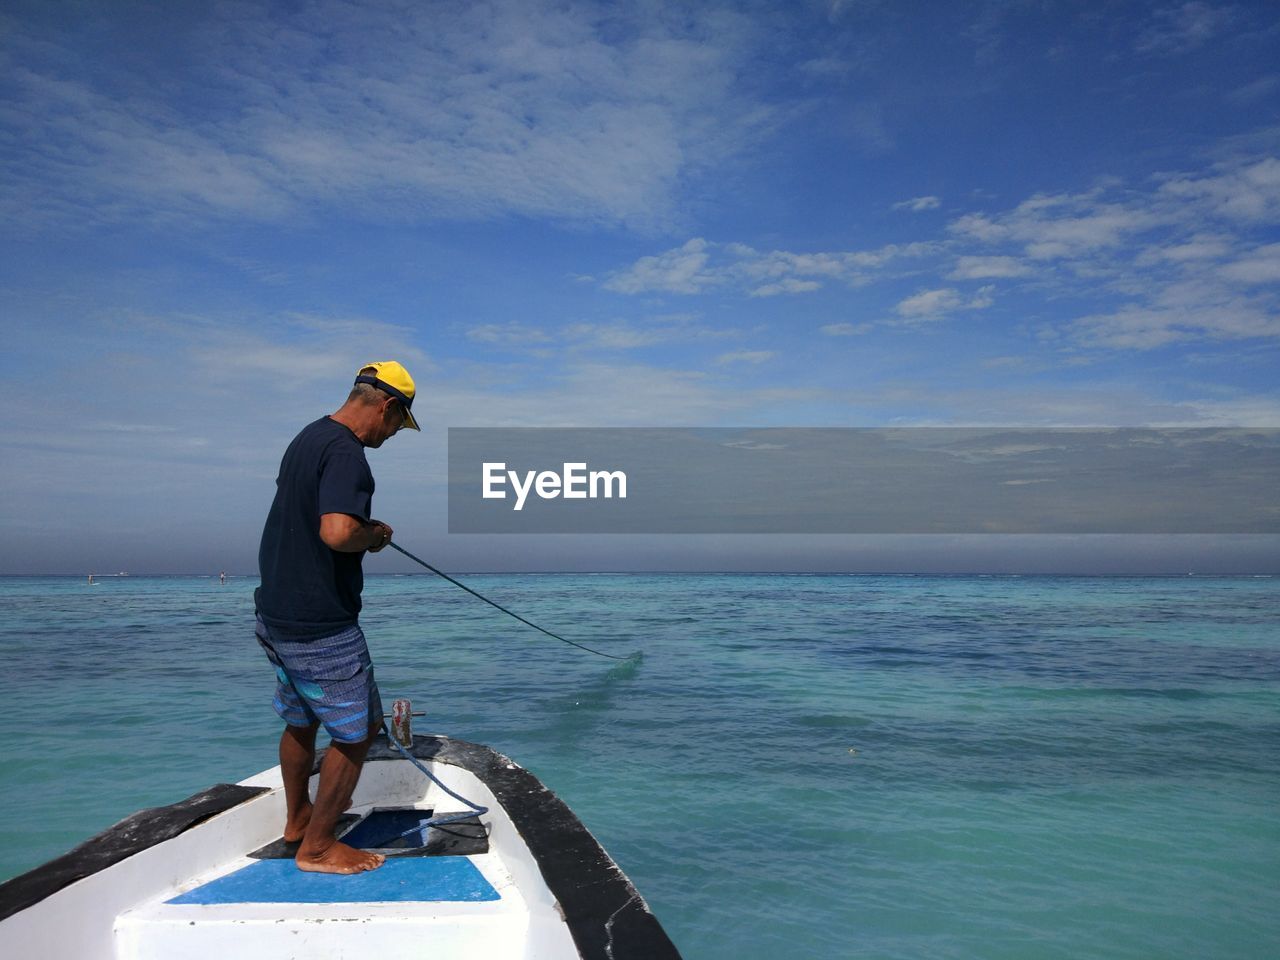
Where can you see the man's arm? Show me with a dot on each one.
(348, 534)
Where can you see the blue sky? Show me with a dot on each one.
(800, 214)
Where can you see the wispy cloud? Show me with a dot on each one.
(682, 270)
(929, 303)
(988, 268)
(1198, 247)
(1179, 259)
(1060, 227)
(507, 334)
(1254, 91)
(918, 204)
(110, 427)
(603, 335)
(746, 356)
(411, 111)
(1247, 192)
(934, 304)
(1157, 323)
(1179, 262)
(845, 329)
(699, 266)
(1181, 28)
(786, 285)
(1256, 267)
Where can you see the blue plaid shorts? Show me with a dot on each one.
(328, 681)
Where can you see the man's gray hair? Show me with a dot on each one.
(366, 393)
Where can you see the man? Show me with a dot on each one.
(308, 605)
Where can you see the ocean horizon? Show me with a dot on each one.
(974, 574)
(862, 765)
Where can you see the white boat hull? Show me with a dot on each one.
(193, 880)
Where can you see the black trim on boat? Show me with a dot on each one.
(607, 917)
(131, 835)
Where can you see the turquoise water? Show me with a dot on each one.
(801, 766)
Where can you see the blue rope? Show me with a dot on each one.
(476, 809)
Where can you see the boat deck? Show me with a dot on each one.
(464, 906)
(210, 877)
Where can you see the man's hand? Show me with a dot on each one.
(381, 534)
(348, 534)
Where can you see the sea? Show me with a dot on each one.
(797, 765)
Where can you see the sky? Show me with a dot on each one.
(802, 214)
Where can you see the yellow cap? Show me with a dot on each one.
(395, 380)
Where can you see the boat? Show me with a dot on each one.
(211, 876)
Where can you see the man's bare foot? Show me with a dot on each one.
(296, 827)
(338, 858)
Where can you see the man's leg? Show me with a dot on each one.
(297, 758)
(321, 851)
(297, 743)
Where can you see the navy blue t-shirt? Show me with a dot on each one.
(308, 589)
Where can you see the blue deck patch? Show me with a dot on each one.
(399, 880)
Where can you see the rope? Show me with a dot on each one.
(458, 583)
(476, 809)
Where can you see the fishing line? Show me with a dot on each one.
(458, 583)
